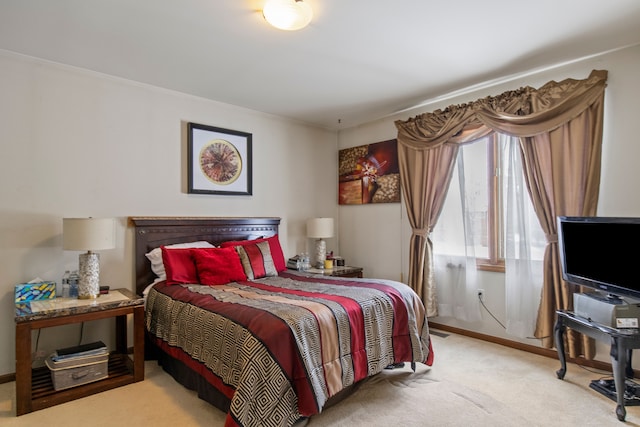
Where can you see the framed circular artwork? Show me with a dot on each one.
(219, 160)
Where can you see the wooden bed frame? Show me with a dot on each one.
(152, 232)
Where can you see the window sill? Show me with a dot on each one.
(485, 265)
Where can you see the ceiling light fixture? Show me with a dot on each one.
(287, 15)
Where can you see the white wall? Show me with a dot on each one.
(371, 235)
(374, 237)
(77, 143)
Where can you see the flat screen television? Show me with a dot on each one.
(601, 253)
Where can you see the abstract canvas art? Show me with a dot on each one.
(369, 174)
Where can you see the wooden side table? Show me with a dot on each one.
(34, 387)
(344, 271)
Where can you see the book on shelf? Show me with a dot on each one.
(84, 350)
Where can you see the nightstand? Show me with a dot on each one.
(34, 387)
(344, 271)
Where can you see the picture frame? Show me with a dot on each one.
(219, 160)
(369, 174)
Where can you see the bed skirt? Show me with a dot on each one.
(192, 381)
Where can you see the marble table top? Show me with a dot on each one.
(59, 307)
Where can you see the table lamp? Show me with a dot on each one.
(90, 234)
(320, 228)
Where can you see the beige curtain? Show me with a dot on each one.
(552, 121)
(425, 177)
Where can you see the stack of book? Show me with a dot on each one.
(82, 364)
(97, 348)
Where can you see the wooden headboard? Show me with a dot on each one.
(153, 232)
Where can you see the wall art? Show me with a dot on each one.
(369, 174)
(219, 160)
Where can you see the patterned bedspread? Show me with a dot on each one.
(280, 347)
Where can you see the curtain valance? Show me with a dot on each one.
(523, 112)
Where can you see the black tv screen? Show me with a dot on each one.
(600, 252)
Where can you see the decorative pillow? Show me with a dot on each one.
(155, 256)
(218, 266)
(257, 260)
(179, 266)
(274, 245)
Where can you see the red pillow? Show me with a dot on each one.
(274, 245)
(179, 266)
(218, 266)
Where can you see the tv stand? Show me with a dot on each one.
(623, 341)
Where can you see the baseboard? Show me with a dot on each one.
(551, 353)
(7, 378)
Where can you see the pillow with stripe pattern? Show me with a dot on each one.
(256, 260)
(274, 246)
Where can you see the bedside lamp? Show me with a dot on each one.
(90, 234)
(320, 228)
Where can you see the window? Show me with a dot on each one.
(476, 203)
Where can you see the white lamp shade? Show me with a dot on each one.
(88, 234)
(287, 15)
(320, 228)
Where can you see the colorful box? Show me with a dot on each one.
(35, 291)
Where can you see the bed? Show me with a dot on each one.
(268, 349)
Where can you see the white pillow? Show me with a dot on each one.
(155, 256)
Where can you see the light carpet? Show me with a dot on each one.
(472, 383)
(401, 397)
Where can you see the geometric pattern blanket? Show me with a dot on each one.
(279, 347)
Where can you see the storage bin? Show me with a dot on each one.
(78, 370)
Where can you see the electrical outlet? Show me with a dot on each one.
(480, 293)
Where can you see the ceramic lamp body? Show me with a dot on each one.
(89, 281)
(321, 253)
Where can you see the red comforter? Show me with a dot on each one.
(279, 347)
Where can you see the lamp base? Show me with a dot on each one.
(89, 281)
(321, 253)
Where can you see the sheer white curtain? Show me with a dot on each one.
(457, 239)
(454, 246)
(524, 245)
